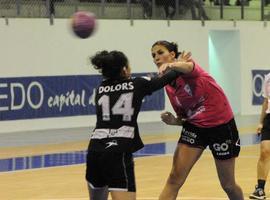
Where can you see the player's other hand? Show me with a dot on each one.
(259, 129)
(168, 118)
(164, 67)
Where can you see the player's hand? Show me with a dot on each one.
(168, 118)
(259, 129)
(185, 57)
(164, 67)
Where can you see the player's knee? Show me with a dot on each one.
(265, 154)
(228, 187)
(176, 178)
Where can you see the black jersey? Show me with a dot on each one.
(118, 103)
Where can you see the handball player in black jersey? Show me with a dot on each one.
(110, 166)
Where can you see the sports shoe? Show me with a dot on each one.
(258, 194)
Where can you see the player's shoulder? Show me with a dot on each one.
(140, 82)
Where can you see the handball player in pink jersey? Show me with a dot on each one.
(206, 116)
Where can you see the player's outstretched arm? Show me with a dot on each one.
(159, 82)
(180, 66)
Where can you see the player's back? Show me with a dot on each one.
(118, 103)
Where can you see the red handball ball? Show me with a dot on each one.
(83, 24)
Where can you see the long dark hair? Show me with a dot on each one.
(110, 63)
(171, 46)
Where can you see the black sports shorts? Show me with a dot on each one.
(223, 140)
(112, 169)
(265, 133)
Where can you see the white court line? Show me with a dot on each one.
(206, 154)
(151, 198)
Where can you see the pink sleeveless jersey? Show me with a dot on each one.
(197, 97)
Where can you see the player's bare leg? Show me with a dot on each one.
(184, 158)
(225, 170)
(263, 165)
(117, 195)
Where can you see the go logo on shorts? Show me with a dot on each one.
(221, 147)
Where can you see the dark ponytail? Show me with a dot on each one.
(110, 63)
(171, 46)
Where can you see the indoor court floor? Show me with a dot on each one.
(50, 165)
